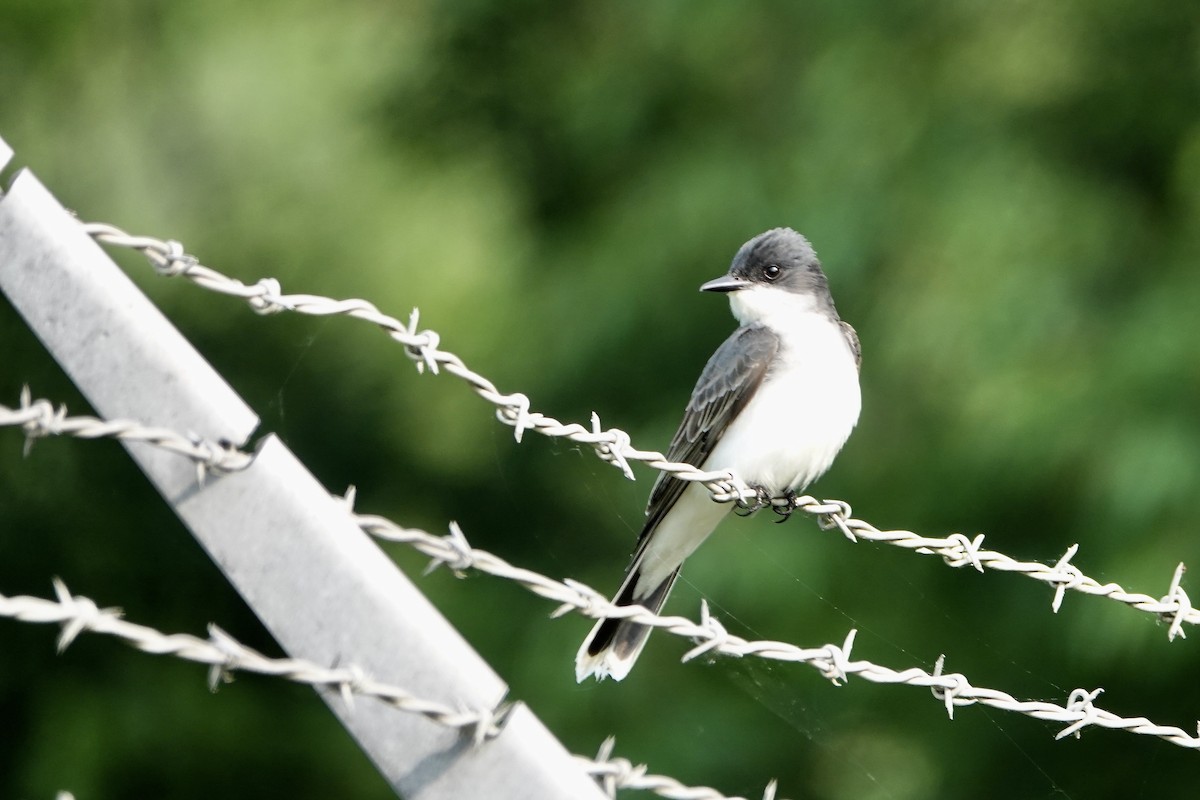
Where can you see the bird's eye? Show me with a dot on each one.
(771, 272)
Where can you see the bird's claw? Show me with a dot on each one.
(762, 499)
(786, 511)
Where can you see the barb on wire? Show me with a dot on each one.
(614, 774)
(39, 418)
(225, 655)
(710, 636)
(422, 347)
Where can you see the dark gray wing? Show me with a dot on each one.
(852, 340)
(728, 381)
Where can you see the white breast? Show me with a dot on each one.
(790, 432)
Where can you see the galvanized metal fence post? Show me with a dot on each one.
(323, 589)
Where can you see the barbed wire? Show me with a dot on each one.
(266, 296)
(958, 551)
(614, 445)
(224, 655)
(709, 636)
(40, 418)
(619, 773)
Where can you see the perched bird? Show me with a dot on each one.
(774, 404)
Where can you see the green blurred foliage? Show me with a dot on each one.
(1006, 197)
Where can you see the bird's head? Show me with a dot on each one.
(775, 273)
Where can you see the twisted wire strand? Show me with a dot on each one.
(956, 550)
(224, 655)
(40, 418)
(614, 773)
(710, 636)
(422, 346)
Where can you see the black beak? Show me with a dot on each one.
(725, 283)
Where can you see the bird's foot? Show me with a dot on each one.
(786, 511)
(762, 499)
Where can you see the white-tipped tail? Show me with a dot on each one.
(608, 662)
(613, 646)
(605, 664)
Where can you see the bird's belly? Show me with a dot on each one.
(794, 426)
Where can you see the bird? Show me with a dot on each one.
(774, 405)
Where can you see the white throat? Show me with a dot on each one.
(775, 308)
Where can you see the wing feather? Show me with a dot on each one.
(728, 381)
(852, 342)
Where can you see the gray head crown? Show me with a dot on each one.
(795, 263)
(783, 259)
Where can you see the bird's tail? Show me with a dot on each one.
(613, 646)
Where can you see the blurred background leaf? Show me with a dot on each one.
(1005, 196)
